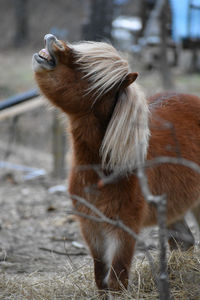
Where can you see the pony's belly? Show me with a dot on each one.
(176, 209)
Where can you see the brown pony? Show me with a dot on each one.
(113, 125)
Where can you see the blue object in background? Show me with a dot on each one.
(186, 20)
(120, 2)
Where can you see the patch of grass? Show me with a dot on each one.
(188, 83)
(6, 91)
(18, 75)
(184, 274)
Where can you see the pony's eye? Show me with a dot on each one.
(59, 45)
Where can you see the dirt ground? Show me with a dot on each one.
(36, 232)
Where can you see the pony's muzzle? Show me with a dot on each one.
(49, 39)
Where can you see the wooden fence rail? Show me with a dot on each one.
(30, 100)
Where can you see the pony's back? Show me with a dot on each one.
(175, 132)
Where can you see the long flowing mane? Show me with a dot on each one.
(126, 139)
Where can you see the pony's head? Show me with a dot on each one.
(57, 75)
(75, 76)
(92, 77)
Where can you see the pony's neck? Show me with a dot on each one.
(87, 134)
(88, 130)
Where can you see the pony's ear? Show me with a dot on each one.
(130, 78)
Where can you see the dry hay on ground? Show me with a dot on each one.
(184, 273)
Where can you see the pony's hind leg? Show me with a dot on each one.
(180, 236)
(196, 213)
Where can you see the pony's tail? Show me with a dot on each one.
(126, 139)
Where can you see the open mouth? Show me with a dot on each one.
(46, 57)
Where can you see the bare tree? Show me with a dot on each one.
(21, 22)
(100, 20)
(157, 24)
(164, 65)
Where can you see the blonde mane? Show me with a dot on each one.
(101, 64)
(126, 139)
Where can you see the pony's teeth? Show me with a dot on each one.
(45, 54)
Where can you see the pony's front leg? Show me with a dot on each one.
(96, 243)
(101, 269)
(120, 253)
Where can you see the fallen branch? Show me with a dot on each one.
(62, 253)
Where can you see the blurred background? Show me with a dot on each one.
(160, 38)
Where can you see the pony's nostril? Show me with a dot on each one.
(49, 37)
